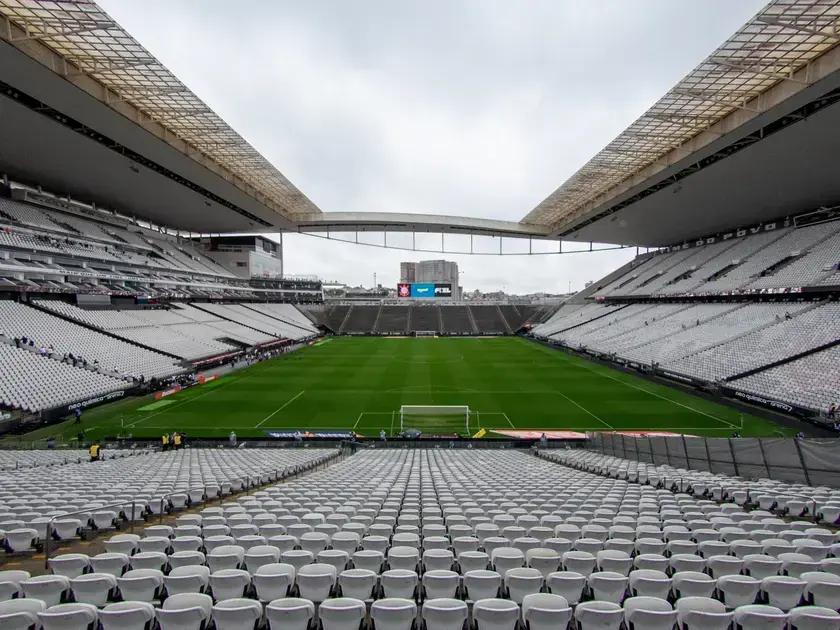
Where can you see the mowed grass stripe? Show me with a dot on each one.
(362, 381)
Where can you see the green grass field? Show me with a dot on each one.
(360, 383)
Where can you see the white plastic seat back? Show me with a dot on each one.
(814, 618)
(236, 614)
(357, 583)
(20, 614)
(289, 613)
(567, 584)
(93, 588)
(648, 613)
(126, 616)
(48, 588)
(393, 613)
(495, 614)
(544, 611)
(444, 614)
(68, 617)
(341, 613)
(229, 583)
(316, 581)
(598, 615)
(185, 611)
(758, 617)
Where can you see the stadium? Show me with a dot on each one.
(190, 437)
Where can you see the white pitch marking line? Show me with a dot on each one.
(585, 410)
(280, 408)
(670, 400)
(361, 413)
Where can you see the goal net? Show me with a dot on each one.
(425, 333)
(436, 418)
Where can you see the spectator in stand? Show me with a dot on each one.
(832, 411)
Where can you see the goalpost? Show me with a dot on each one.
(435, 415)
(425, 333)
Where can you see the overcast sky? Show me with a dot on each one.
(473, 108)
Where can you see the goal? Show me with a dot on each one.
(425, 333)
(437, 418)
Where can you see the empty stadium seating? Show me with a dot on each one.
(489, 319)
(360, 320)
(393, 320)
(714, 342)
(456, 320)
(112, 355)
(33, 382)
(496, 538)
(783, 258)
(31, 497)
(447, 319)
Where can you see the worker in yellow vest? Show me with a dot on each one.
(176, 440)
(95, 452)
(164, 441)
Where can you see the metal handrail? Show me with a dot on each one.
(48, 532)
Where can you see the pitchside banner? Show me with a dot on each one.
(424, 290)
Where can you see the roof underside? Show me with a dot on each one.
(87, 90)
(93, 45)
(772, 47)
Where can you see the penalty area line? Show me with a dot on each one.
(280, 408)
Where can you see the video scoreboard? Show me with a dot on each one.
(423, 290)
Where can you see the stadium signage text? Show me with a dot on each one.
(767, 402)
(168, 392)
(95, 401)
(726, 236)
(331, 435)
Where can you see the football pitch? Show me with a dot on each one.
(359, 383)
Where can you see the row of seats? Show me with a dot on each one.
(770, 496)
(112, 355)
(11, 459)
(714, 342)
(788, 257)
(134, 326)
(108, 241)
(131, 489)
(497, 539)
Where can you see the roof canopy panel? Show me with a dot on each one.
(771, 48)
(91, 43)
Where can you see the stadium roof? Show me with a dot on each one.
(91, 43)
(73, 79)
(782, 39)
